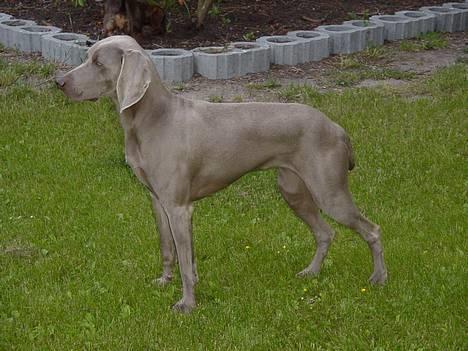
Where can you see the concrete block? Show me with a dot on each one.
(28, 38)
(285, 50)
(5, 16)
(67, 48)
(173, 65)
(255, 57)
(217, 62)
(316, 44)
(344, 39)
(372, 32)
(9, 29)
(396, 27)
(425, 22)
(447, 19)
(464, 8)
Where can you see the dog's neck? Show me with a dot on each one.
(156, 96)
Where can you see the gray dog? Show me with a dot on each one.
(184, 150)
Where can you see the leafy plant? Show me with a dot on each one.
(250, 36)
(80, 3)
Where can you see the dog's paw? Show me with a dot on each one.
(378, 277)
(308, 272)
(183, 306)
(162, 281)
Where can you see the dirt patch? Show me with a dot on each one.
(234, 20)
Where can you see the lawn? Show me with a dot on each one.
(78, 247)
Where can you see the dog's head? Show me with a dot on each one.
(116, 66)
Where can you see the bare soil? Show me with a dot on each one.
(235, 20)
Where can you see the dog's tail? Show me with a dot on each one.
(349, 148)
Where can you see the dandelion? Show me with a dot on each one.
(305, 289)
(363, 290)
(247, 247)
(284, 246)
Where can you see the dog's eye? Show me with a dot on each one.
(98, 63)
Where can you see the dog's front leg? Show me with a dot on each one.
(180, 221)
(166, 242)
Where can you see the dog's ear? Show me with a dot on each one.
(134, 79)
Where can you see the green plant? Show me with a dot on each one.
(80, 3)
(347, 62)
(270, 83)
(216, 98)
(249, 36)
(427, 41)
(215, 10)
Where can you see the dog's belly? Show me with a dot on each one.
(218, 171)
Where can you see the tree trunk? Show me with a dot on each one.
(202, 10)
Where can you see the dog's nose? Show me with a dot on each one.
(60, 81)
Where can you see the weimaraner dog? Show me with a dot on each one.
(183, 150)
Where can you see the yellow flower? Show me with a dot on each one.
(363, 290)
(247, 247)
(305, 289)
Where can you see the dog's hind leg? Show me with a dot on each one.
(328, 184)
(299, 199)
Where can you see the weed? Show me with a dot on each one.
(215, 98)
(270, 83)
(250, 36)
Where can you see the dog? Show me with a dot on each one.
(129, 17)
(183, 150)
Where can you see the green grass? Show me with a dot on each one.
(269, 84)
(427, 41)
(350, 77)
(78, 247)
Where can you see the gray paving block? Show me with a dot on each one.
(425, 22)
(67, 48)
(9, 29)
(285, 50)
(344, 39)
(28, 38)
(395, 27)
(316, 43)
(173, 65)
(447, 19)
(255, 57)
(373, 32)
(217, 62)
(464, 8)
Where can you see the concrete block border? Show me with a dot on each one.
(316, 44)
(217, 62)
(240, 58)
(5, 16)
(285, 50)
(373, 32)
(173, 65)
(28, 38)
(67, 48)
(255, 57)
(462, 7)
(9, 30)
(447, 19)
(424, 21)
(344, 39)
(396, 27)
